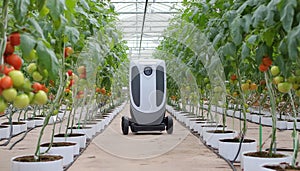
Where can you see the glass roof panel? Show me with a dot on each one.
(131, 14)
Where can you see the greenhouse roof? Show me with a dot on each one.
(143, 32)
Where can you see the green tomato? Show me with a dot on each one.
(31, 68)
(32, 56)
(297, 93)
(17, 77)
(21, 101)
(44, 11)
(9, 94)
(284, 87)
(275, 70)
(3, 105)
(206, 80)
(40, 98)
(27, 86)
(37, 76)
(30, 96)
(278, 79)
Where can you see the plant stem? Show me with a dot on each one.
(294, 133)
(3, 27)
(273, 112)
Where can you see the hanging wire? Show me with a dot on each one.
(143, 24)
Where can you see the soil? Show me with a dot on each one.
(58, 144)
(34, 118)
(238, 140)
(217, 126)
(13, 123)
(220, 131)
(69, 135)
(3, 126)
(264, 154)
(255, 113)
(79, 127)
(43, 158)
(87, 123)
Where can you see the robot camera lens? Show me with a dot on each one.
(148, 71)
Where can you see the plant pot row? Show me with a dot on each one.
(225, 141)
(64, 148)
(23, 125)
(284, 122)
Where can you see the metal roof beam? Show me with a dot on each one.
(157, 12)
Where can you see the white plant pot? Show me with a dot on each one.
(229, 150)
(56, 165)
(238, 114)
(29, 123)
(267, 121)
(52, 119)
(18, 127)
(248, 116)
(255, 118)
(208, 127)
(212, 139)
(79, 139)
(88, 131)
(39, 121)
(280, 124)
(4, 131)
(67, 152)
(229, 112)
(249, 163)
(290, 125)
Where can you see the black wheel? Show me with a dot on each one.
(169, 124)
(125, 125)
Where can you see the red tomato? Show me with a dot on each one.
(36, 87)
(267, 61)
(9, 49)
(6, 69)
(233, 77)
(263, 68)
(14, 60)
(6, 82)
(15, 38)
(68, 51)
(70, 72)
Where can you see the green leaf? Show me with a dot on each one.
(247, 22)
(252, 39)
(229, 49)
(293, 42)
(40, 4)
(261, 51)
(57, 8)
(245, 51)
(27, 44)
(72, 33)
(47, 60)
(21, 9)
(71, 4)
(287, 11)
(235, 31)
(268, 36)
(37, 27)
(259, 15)
(85, 4)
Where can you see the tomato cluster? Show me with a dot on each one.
(15, 88)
